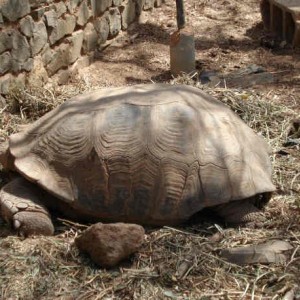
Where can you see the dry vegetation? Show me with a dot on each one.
(181, 262)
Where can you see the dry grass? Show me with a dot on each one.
(174, 263)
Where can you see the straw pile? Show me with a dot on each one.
(173, 263)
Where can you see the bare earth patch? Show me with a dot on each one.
(181, 262)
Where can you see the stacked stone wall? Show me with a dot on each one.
(41, 38)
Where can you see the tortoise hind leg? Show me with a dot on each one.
(20, 206)
(241, 212)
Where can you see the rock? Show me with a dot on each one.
(62, 76)
(26, 26)
(99, 7)
(246, 77)
(72, 4)
(19, 81)
(15, 9)
(1, 21)
(19, 66)
(5, 82)
(108, 244)
(83, 14)
(39, 3)
(139, 7)
(114, 18)
(39, 38)
(3, 102)
(60, 8)
(59, 59)
(5, 62)
(148, 4)
(9, 82)
(80, 64)
(62, 28)
(158, 3)
(37, 14)
(128, 14)
(20, 47)
(102, 27)
(6, 41)
(51, 18)
(46, 54)
(75, 42)
(117, 2)
(38, 76)
(90, 38)
(273, 251)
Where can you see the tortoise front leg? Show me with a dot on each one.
(20, 206)
(241, 212)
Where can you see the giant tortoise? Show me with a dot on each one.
(148, 154)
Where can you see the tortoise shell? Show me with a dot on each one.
(151, 154)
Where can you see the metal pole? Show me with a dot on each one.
(180, 14)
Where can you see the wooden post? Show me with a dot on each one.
(180, 14)
(182, 45)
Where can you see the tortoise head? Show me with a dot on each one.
(6, 159)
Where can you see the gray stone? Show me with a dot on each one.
(6, 40)
(99, 7)
(75, 42)
(62, 76)
(64, 27)
(9, 82)
(5, 62)
(20, 81)
(59, 59)
(148, 4)
(80, 63)
(117, 2)
(22, 66)
(139, 6)
(60, 8)
(39, 39)
(114, 18)
(158, 3)
(83, 13)
(46, 54)
(5, 83)
(3, 102)
(28, 65)
(1, 21)
(90, 38)
(38, 75)
(128, 14)
(72, 4)
(20, 47)
(15, 9)
(26, 26)
(51, 18)
(37, 14)
(102, 27)
(39, 3)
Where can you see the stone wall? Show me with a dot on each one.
(41, 38)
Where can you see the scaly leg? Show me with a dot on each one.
(241, 212)
(20, 206)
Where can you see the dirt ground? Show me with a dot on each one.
(182, 262)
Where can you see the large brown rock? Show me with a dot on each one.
(108, 244)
